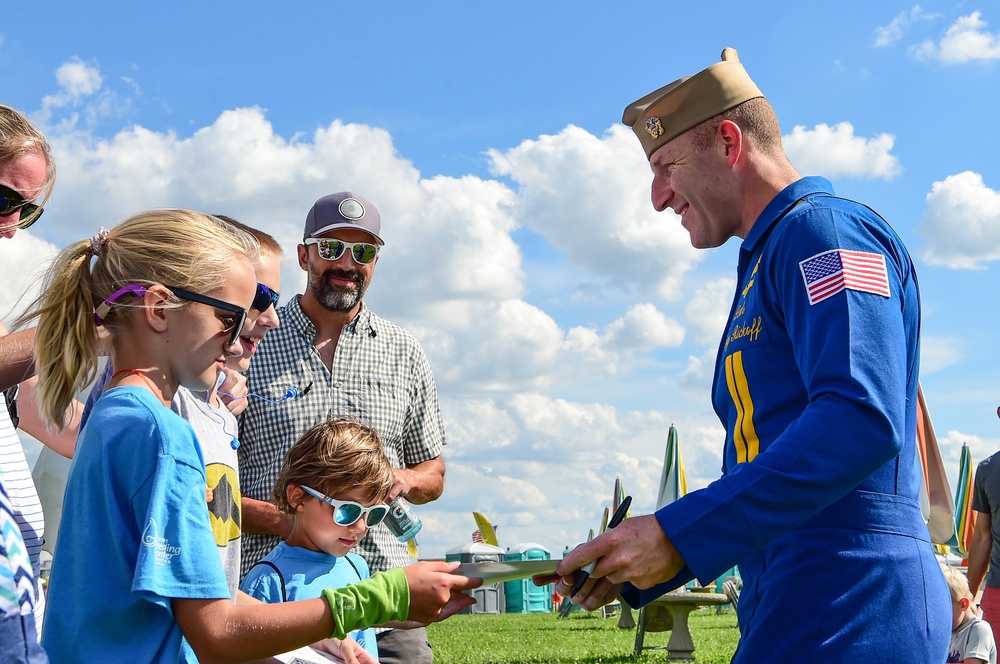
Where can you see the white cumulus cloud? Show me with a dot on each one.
(937, 353)
(589, 197)
(966, 40)
(708, 311)
(835, 151)
(78, 79)
(951, 451)
(24, 260)
(696, 380)
(961, 223)
(889, 35)
(80, 86)
(645, 327)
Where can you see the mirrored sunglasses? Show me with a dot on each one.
(347, 512)
(265, 298)
(332, 249)
(11, 201)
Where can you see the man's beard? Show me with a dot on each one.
(338, 298)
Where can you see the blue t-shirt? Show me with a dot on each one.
(305, 574)
(134, 534)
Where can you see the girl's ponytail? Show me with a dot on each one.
(66, 337)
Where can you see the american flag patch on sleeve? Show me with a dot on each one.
(830, 272)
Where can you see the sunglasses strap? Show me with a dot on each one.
(102, 310)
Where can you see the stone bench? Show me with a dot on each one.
(670, 612)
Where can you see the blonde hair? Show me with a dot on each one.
(179, 248)
(958, 584)
(334, 457)
(756, 119)
(19, 138)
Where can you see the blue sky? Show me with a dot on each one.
(567, 322)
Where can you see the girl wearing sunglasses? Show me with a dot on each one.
(215, 423)
(334, 484)
(138, 567)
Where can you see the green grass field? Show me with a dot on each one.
(543, 638)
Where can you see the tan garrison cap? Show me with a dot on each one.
(665, 114)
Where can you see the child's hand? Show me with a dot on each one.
(233, 391)
(435, 593)
(348, 650)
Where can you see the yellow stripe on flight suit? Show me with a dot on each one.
(744, 435)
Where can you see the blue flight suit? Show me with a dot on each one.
(818, 504)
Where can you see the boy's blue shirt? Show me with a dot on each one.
(306, 574)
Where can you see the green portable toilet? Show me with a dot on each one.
(523, 596)
(489, 598)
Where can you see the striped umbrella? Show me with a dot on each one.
(673, 481)
(619, 496)
(965, 517)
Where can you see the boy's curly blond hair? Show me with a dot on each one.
(335, 457)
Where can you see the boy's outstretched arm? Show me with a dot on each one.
(221, 631)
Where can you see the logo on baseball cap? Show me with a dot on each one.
(343, 210)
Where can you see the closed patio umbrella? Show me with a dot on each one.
(673, 482)
(965, 517)
(936, 501)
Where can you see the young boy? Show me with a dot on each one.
(971, 637)
(334, 483)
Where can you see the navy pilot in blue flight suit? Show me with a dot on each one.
(816, 385)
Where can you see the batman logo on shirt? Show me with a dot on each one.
(224, 505)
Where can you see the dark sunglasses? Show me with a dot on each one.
(12, 201)
(10, 396)
(265, 298)
(332, 249)
(234, 322)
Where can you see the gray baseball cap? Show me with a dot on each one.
(343, 210)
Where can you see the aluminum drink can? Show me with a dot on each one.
(401, 520)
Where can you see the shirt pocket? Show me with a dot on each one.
(379, 400)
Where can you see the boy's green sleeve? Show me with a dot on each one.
(382, 598)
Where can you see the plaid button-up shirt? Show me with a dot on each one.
(379, 376)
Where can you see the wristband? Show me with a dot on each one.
(380, 599)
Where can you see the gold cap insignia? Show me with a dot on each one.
(654, 127)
